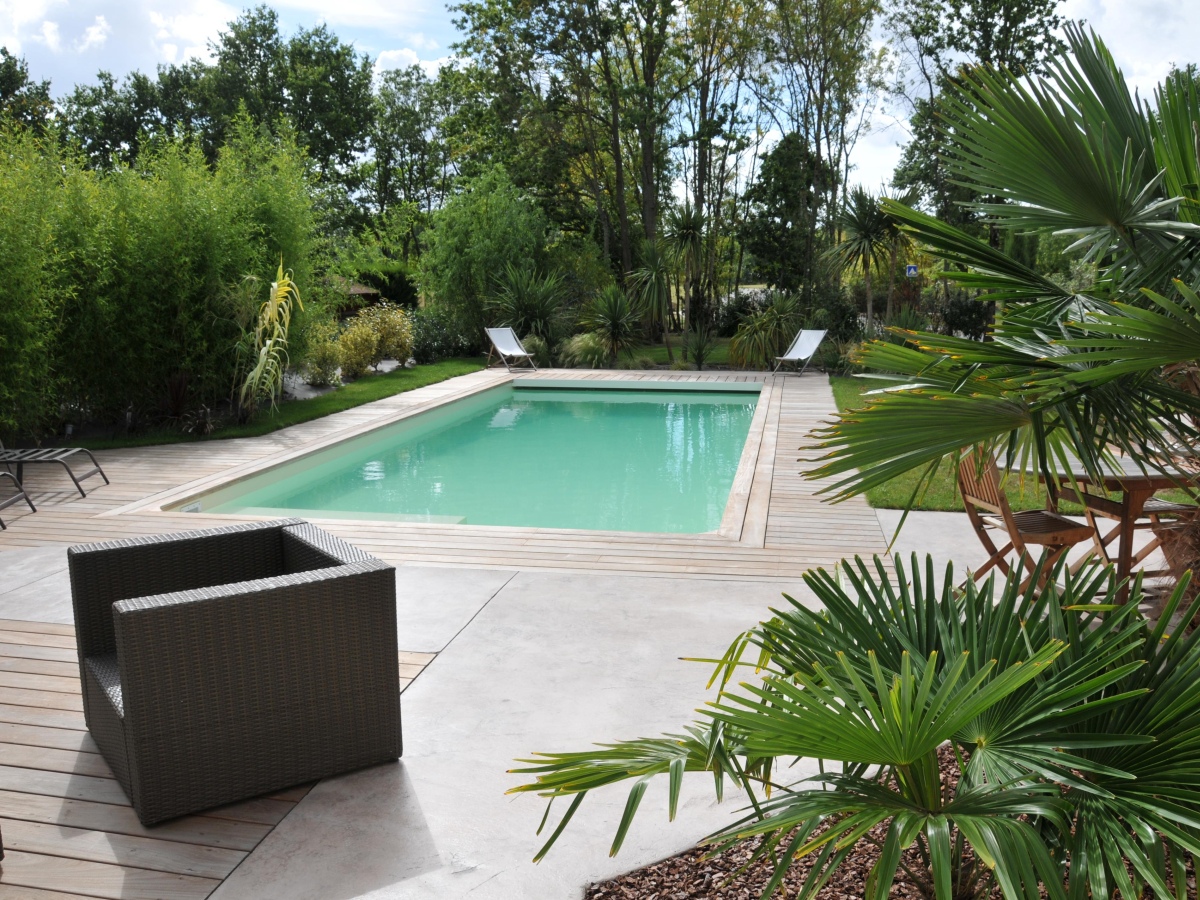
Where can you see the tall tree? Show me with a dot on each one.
(781, 209)
(940, 37)
(21, 98)
(826, 67)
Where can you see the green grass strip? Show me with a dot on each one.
(943, 496)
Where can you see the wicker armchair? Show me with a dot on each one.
(222, 664)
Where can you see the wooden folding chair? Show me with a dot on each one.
(988, 509)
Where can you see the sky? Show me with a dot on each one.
(69, 41)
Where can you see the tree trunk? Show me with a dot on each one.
(870, 308)
(892, 281)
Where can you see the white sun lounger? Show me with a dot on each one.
(507, 345)
(802, 351)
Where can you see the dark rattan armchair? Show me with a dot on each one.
(222, 664)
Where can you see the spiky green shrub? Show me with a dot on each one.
(536, 346)
(1075, 723)
(584, 351)
(529, 302)
(615, 320)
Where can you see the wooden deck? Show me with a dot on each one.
(785, 530)
(68, 828)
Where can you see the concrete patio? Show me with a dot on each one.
(527, 650)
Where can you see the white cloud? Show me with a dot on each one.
(405, 57)
(50, 36)
(183, 30)
(94, 35)
(15, 18)
(396, 59)
(379, 15)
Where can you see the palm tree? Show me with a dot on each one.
(898, 241)
(652, 283)
(1046, 705)
(866, 239)
(1066, 372)
(684, 233)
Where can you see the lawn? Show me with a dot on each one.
(942, 494)
(658, 352)
(364, 390)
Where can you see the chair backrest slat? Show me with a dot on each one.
(981, 486)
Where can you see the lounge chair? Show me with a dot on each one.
(507, 345)
(15, 498)
(802, 351)
(59, 455)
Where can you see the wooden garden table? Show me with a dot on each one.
(1136, 484)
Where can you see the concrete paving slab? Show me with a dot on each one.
(552, 662)
(34, 585)
(433, 604)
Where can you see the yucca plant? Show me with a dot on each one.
(652, 284)
(615, 320)
(764, 335)
(529, 302)
(867, 236)
(1074, 723)
(266, 346)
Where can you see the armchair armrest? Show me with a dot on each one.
(104, 573)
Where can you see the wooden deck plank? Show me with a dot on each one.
(35, 870)
(58, 683)
(36, 639)
(120, 849)
(47, 759)
(114, 819)
(14, 892)
(53, 738)
(42, 699)
(28, 651)
(37, 627)
(39, 667)
(59, 784)
(46, 718)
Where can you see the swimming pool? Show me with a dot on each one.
(612, 459)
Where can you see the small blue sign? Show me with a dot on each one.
(910, 271)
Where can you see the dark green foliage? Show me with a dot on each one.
(319, 84)
(529, 302)
(437, 334)
(1073, 721)
(488, 225)
(31, 291)
(22, 100)
(134, 288)
(956, 312)
(777, 230)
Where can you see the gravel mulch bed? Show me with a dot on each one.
(690, 874)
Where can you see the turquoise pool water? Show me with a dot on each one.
(614, 460)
